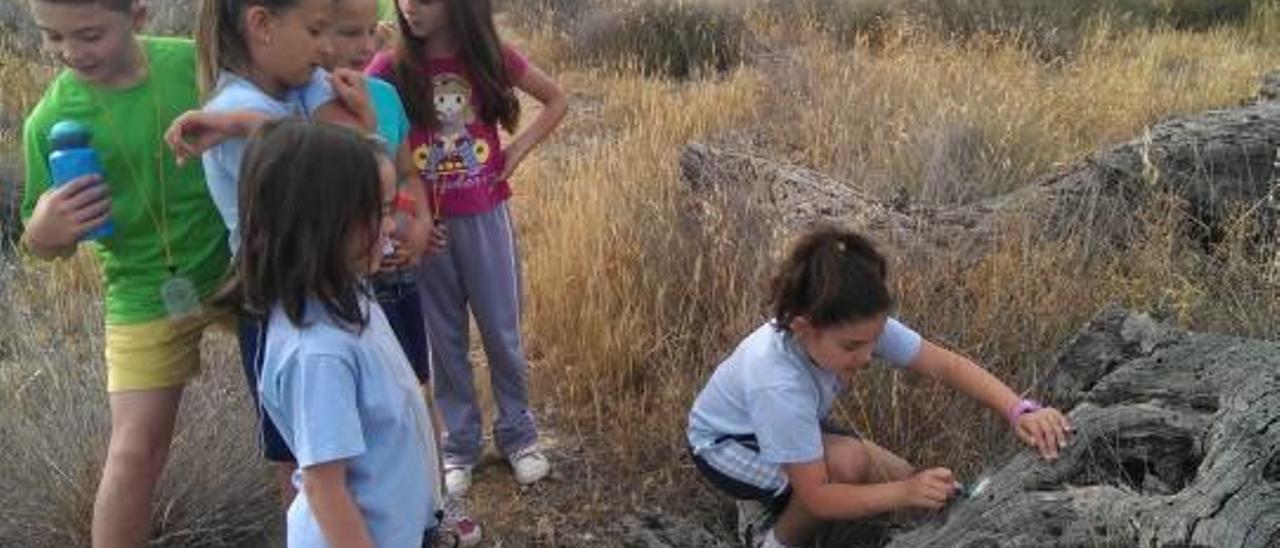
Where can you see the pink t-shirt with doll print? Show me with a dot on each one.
(459, 161)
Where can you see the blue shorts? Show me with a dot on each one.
(252, 335)
(401, 305)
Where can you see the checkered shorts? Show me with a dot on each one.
(733, 465)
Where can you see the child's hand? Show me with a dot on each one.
(929, 489)
(402, 256)
(410, 250)
(1046, 430)
(196, 131)
(65, 213)
(350, 88)
(385, 33)
(437, 240)
(512, 157)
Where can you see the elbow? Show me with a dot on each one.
(558, 107)
(316, 486)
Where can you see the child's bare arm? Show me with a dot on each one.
(325, 486)
(555, 104)
(196, 131)
(423, 221)
(1046, 430)
(433, 228)
(813, 489)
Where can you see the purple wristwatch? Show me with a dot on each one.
(1023, 407)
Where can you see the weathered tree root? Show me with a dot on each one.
(1177, 444)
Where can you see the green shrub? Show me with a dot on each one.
(556, 14)
(1057, 27)
(673, 38)
(845, 20)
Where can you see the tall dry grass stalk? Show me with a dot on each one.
(945, 122)
(622, 281)
(55, 422)
(633, 299)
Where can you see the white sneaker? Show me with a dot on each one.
(529, 464)
(457, 479)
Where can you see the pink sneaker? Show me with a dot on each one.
(456, 529)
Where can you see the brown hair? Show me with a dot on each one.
(124, 6)
(305, 189)
(831, 276)
(220, 40)
(481, 53)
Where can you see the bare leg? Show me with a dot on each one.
(141, 431)
(885, 465)
(796, 526)
(848, 460)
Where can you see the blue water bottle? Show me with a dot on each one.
(71, 158)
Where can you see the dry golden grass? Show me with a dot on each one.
(634, 292)
(632, 302)
(948, 122)
(217, 491)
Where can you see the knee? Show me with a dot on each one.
(848, 461)
(139, 456)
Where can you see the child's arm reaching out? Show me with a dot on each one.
(826, 500)
(325, 486)
(1046, 429)
(196, 131)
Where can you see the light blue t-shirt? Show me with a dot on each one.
(393, 122)
(771, 389)
(336, 395)
(222, 163)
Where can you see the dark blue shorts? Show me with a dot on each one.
(400, 304)
(252, 335)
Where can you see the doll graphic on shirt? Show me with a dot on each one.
(453, 153)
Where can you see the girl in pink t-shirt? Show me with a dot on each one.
(458, 83)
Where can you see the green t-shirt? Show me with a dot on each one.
(386, 10)
(128, 127)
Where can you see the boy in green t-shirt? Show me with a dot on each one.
(168, 251)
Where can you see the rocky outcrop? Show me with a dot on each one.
(1177, 444)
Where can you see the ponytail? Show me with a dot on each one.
(831, 276)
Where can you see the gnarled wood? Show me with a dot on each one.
(1178, 444)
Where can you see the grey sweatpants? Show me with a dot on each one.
(480, 271)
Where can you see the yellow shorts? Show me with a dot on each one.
(159, 354)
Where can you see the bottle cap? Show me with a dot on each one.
(69, 134)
